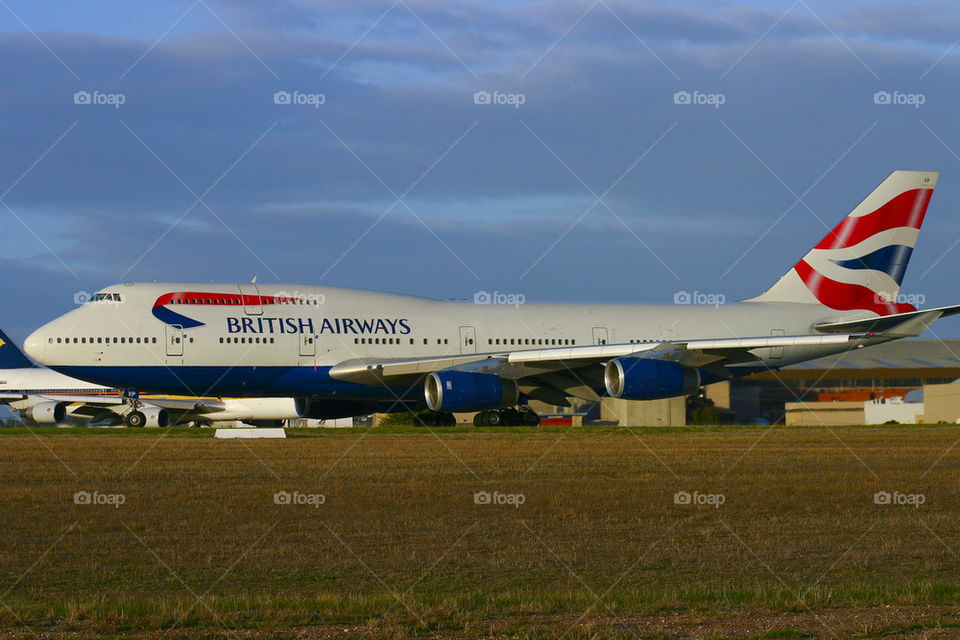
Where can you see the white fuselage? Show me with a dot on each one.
(226, 339)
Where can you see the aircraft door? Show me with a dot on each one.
(600, 335)
(776, 353)
(468, 340)
(174, 337)
(251, 299)
(308, 344)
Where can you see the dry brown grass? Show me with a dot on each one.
(399, 548)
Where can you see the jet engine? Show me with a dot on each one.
(466, 391)
(47, 412)
(648, 379)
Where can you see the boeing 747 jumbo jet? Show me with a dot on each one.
(344, 352)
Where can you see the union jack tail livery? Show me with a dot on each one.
(860, 264)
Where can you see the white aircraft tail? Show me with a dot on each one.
(860, 264)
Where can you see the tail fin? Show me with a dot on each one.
(10, 355)
(860, 264)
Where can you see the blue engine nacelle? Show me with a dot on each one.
(466, 391)
(647, 379)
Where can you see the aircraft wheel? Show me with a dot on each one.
(135, 419)
(480, 419)
(530, 418)
(448, 420)
(494, 418)
(511, 418)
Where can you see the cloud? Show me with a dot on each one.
(492, 188)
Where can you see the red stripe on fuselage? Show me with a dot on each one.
(224, 299)
(905, 210)
(843, 296)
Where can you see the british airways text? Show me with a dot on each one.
(391, 326)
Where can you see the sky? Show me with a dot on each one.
(442, 148)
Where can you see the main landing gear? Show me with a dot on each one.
(510, 417)
(135, 419)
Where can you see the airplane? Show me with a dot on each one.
(343, 352)
(44, 397)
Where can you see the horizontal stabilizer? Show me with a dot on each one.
(911, 323)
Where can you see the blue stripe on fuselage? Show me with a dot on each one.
(173, 318)
(235, 381)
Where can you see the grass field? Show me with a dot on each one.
(384, 534)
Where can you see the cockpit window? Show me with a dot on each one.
(105, 297)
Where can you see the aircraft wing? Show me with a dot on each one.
(198, 405)
(524, 363)
(101, 407)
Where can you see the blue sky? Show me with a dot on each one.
(597, 187)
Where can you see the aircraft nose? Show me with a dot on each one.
(35, 345)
